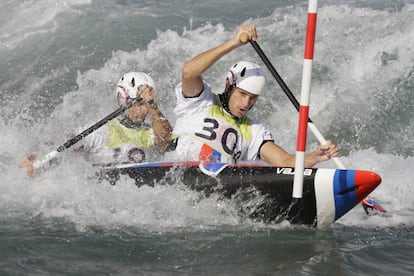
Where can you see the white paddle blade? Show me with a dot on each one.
(46, 160)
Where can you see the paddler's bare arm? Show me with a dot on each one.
(192, 81)
(160, 125)
(276, 156)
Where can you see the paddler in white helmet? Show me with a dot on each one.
(132, 127)
(216, 128)
(127, 138)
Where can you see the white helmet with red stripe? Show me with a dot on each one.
(247, 76)
(130, 83)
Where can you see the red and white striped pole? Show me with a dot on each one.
(304, 100)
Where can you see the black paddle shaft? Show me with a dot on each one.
(275, 74)
(94, 127)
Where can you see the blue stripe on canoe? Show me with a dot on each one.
(344, 192)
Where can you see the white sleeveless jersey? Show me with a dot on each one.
(206, 131)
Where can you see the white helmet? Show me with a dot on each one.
(247, 76)
(130, 83)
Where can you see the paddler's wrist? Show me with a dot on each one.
(151, 104)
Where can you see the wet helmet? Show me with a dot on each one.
(130, 83)
(247, 76)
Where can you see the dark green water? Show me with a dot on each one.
(56, 247)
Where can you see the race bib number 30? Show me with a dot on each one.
(221, 136)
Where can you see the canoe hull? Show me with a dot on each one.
(263, 193)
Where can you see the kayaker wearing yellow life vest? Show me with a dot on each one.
(127, 138)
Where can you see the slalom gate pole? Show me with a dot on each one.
(304, 100)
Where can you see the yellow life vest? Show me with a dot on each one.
(243, 124)
(119, 135)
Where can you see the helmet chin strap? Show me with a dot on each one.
(224, 99)
(251, 106)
